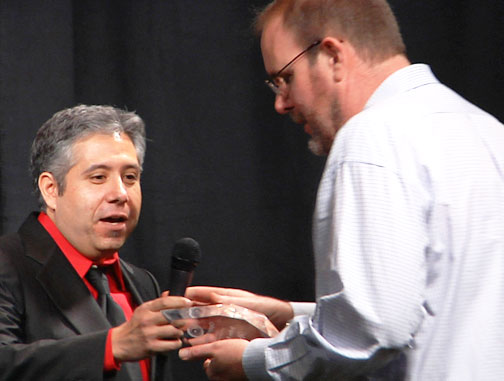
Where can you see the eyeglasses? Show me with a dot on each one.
(279, 84)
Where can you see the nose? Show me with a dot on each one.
(117, 192)
(283, 105)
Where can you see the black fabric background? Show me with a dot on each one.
(221, 166)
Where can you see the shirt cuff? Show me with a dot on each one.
(110, 363)
(303, 308)
(254, 359)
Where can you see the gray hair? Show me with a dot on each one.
(52, 147)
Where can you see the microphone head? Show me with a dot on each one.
(186, 254)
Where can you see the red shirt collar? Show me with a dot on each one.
(80, 263)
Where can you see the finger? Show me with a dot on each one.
(206, 364)
(157, 318)
(161, 339)
(199, 352)
(229, 299)
(166, 332)
(180, 324)
(167, 302)
(226, 298)
(161, 346)
(202, 293)
(203, 339)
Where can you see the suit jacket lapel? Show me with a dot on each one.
(60, 281)
(129, 282)
(70, 294)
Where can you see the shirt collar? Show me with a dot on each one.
(405, 79)
(79, 262)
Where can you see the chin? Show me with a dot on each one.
(112, 244)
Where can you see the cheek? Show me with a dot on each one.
(89, 200)
(304, 102)
(318, 90)
(77, 199)
(135, 196)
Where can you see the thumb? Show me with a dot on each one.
(198, 352)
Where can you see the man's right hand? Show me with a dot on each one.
(279, 312)
(148, 332)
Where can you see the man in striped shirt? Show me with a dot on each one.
(408, 229)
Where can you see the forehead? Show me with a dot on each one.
(100, 147)
(278, 45)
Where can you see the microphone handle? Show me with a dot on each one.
(179, 280)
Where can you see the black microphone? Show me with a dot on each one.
(185, 257)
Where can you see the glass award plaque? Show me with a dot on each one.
(221, 321)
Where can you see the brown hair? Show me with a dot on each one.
(369, 25)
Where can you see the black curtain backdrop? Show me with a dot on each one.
(221, 166)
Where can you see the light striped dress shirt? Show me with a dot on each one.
(409, 246)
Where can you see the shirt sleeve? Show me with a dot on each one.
(375, 254)
(109, 362)
(303, 308)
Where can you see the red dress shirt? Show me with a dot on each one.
(118, 291)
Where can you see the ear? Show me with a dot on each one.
(335, 50)
(49, 189)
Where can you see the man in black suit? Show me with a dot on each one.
(58, 321)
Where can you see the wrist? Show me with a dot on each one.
(110, 362)
(283, 314)
(117, 347)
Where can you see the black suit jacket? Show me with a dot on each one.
(51, 328)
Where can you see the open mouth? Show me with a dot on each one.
(114, 219)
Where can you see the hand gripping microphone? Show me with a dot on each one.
(186, 255)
